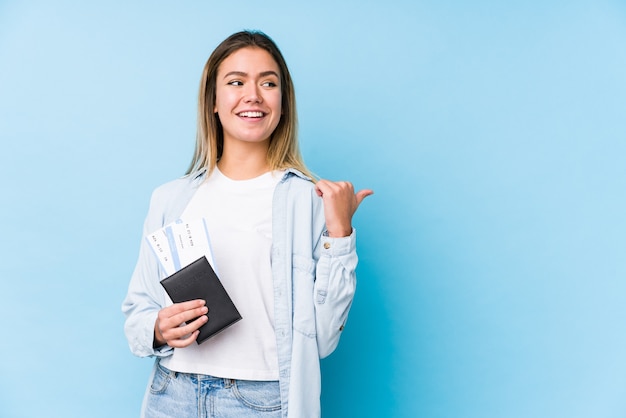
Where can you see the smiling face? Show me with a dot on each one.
(248, 96)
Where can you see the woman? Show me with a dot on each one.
(283, 245)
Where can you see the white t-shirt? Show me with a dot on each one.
(239, 221)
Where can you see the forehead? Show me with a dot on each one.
(250, 60)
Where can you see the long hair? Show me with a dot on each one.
(283, 149)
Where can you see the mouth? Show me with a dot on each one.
(251, 114)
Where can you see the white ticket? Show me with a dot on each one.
(180, 243)
(160, 245)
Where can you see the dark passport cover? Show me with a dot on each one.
(199, 281)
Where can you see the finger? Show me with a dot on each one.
(184, 342)
(170, 322)
(362, 194)
(190, 315)
(181, 331)
(321, 186)
(177, 308)
(184, 306)
(330, 189)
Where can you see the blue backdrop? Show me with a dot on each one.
(492, 256)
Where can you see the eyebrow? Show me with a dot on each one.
(243, 74)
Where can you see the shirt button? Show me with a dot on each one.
(327, 245)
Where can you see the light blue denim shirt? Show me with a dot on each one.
(314, 284)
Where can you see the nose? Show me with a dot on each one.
(252, 94)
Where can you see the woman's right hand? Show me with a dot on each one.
(168, 329)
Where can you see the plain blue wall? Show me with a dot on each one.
(492, 274)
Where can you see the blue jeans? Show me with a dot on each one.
(182, 395)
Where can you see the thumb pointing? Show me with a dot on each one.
(362, 194)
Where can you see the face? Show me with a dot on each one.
(248, 96)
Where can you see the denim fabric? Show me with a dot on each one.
(182, 395)
(314, 284)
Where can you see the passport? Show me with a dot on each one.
(199, 281)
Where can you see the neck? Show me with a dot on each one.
(243, 163)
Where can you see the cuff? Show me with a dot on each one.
(338, 246)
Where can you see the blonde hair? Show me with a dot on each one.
(283, 149)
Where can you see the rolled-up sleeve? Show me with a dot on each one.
(335, 285)
(145, 296)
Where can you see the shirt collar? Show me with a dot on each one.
(198, 176)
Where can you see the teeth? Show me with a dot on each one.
(251, 114)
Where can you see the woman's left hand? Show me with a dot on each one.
(340, 204)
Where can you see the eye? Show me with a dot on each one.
(235, 83)
(269, 84)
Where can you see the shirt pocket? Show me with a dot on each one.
(303, 276)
